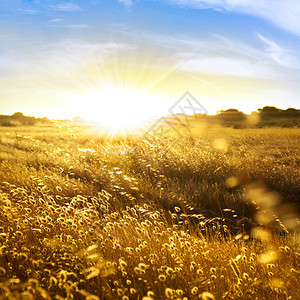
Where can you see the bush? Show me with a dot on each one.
(8, 124)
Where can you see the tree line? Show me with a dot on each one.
(19, 118)
(265, 113)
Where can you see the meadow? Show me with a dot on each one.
(86, 215)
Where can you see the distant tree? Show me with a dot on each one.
(44, 120)
(28, 121)
(201, 116)
(231, 114)
(7, 124)
(269, 112)
(18, 115)
(291, 113)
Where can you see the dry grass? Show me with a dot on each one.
(83, 216)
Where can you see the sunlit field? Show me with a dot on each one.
(90, 215)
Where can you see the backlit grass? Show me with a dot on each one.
(87, 216)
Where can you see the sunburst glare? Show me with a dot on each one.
(117, 108)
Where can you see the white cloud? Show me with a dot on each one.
(68, 7)
(224, 56)
(126, 2)
(280, 55)
(75, 53)
(66, 55)
(219, 55)
(57, 20)
(226, 66)
(78, 26)
(276, 52)
(28, 11)
(283, 13)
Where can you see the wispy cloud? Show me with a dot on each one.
(283, 13)
(227, 56)
(67, 7)
(221, 55)
(54, 21)
(28, 11)
(226, 66)
(126, 2)
(59, 22)
(275, 51)
(68, 55)
(78, 26)
(279, 54)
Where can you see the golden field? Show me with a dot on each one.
(88, 216)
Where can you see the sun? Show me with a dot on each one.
(117, 109)
(122, 108)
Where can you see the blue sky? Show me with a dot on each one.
(228, 53)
